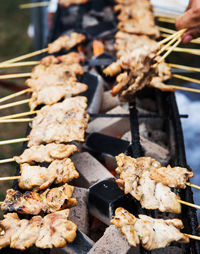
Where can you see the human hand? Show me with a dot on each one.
(190, 20)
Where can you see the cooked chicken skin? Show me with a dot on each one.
(39, 178)
(51, 200)
(67, 3)
(54, 230)
(19, 234)
(46, 153)
(175, 177)
(61, 122)
(56, 76)
(135, 179)
(66, 42)
(151, 233)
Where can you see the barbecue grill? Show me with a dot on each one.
(104, 196)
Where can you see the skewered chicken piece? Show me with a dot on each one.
(56, 76)
(138, 61)
(136, 12)
(39, 178)
(125, 43)
(175, 177)
(66, 42)
(135, 179)
(141, 27)
(46, 153)
(54, 230)
(67, 3)
(50, 201)
(61, 122)
(151, 233)
(19, 234)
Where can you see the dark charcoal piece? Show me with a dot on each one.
(105, 197)
(92, 83)
(102, 60)
(103, 144)
(82, 244)
(101, 30)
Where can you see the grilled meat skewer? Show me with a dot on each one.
(151, 233)
(54, 230)
(33, 203)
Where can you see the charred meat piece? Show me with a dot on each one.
(138, 61)
(46, 153)
(39, 178)
(151, 233)
(135, 179)
(66, 42)
(61, 122)
(51, 200)
(56, 230)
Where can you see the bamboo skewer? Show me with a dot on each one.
(13, 104)
(184, 67)
(187, 50)
(20, 64)
(11, 96)
(162, 19)
(17, 75)
(33, 5)
(6, 160)
(169, 51)
(193, 186)
(174, 38)
(169, 37)
(186, 203)
(13, 141)
(188, 89)
(186, 78)
(19, 115)
(29, 55)
(8, 178)
(20, 120)
(193, 237)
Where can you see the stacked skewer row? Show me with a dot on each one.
(138, 64)
(55, 124)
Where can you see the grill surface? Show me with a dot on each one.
(167, 110)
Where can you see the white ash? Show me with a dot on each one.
(91, 171)
(151, 149)
(111, 126)
(108, 102)
(112, 242)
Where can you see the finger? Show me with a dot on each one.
(189, 19)
(191, 34)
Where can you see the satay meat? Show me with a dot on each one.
(51, 200)
(39, 178)
(175, 177)
(66, 42)
(62, 122)
(46, 153)
(135, 179)
(151, 233)
(54, 230)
